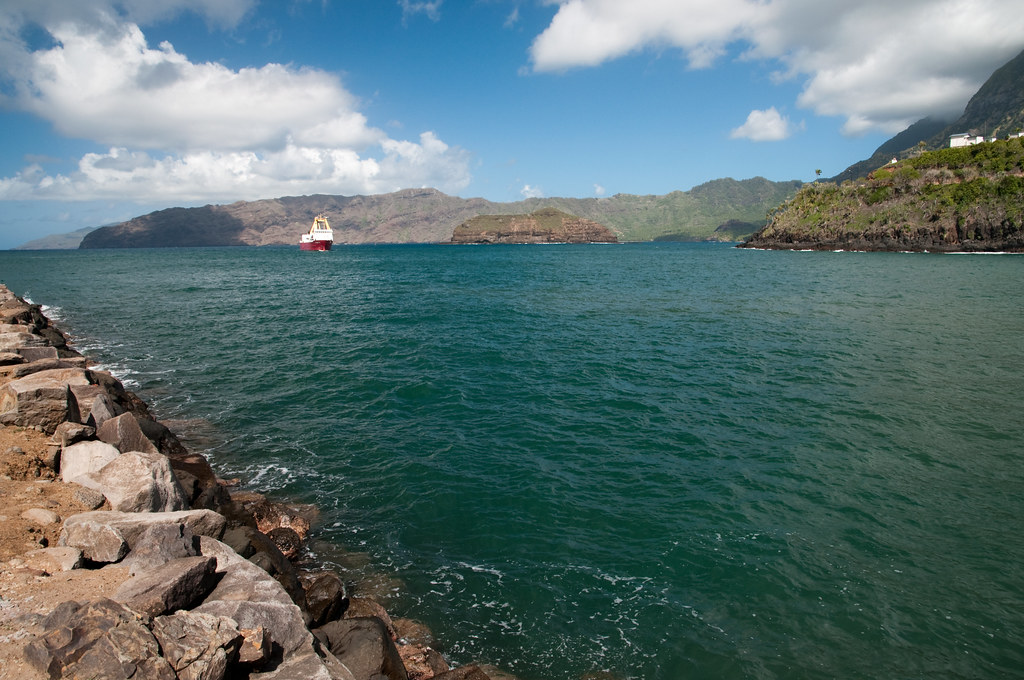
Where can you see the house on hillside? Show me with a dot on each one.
(964, 139)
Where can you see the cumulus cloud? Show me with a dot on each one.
(764, 126)
(178, 130)
(877, 63)
(529, 191)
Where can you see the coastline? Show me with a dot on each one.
(79, 450)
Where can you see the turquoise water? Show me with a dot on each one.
(656, 460)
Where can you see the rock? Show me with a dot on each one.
(42, 399)
(86, 529)
(33, 354)
(89, 498)
(365, 646)
(253, 598)
(256, 647)
(197, 646)
(270, 515)
(123, 431)
(287, 541)
(70, 433)
(52, 560)
(160, 544)
(98, 409)
(100, 639)
(359, 607)
(84, 457)
(422, 663)
(137, 482)
(98, 542)
(326, 597)
(261, 551)
(8, 358)
(308, 665)
(40, 516)
(471, 672)
(18, 338)
(178, 584)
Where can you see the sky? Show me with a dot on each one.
(111, 109)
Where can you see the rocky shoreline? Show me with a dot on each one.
(123, 555)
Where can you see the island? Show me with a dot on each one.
(546, 225)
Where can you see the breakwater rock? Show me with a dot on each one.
(123, 555)
(547, 225)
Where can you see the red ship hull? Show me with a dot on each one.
(315, 245)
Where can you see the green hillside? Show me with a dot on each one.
(963, 199)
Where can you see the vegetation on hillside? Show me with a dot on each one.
(964, 198)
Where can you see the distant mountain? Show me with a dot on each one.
(67, 241)
(430, 216)
(995, 110)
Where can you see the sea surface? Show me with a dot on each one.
(663, 461)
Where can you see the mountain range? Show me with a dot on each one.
(722, 209)
(430, 216)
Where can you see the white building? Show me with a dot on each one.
(964, 139)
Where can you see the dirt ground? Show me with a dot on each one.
(28, 589)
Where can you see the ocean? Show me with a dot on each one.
(657, 461)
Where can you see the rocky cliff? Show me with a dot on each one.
(546, 225)
(968, 199)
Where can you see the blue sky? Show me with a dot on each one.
(114, 108)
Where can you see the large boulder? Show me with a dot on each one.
(84, 457)
(253, 598)
(137, 482)
(178, 584)
(198, 646)
(365, 647)
(106, 536)
(43, 399)
(264, 553)
(160, 544)
(326, 597)
(124, 432)
(100, 639)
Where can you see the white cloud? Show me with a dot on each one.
(764, 126)
(184, 131)
(880, 64)
(531, 191)
(599, 190)
(432, 10)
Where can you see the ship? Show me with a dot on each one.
(319, 236)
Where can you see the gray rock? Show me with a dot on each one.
(253, 598)
(160, 544)
(84, 457)
(41, 516)
(52, 560)
(123, 431)
(198, 646)
(67, 434)
(43, 399)
(137, 482)
(99, 542)
(100, 639)
(95, 532)
(326, 597)
(310, 666)
(89, 498)
(178, 584)
(365, 647)
(30, 354)
(263, 552)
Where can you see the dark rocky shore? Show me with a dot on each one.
(206, 581)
